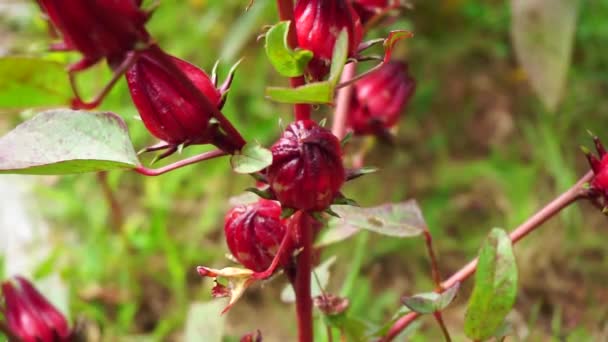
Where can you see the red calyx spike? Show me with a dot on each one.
(318, 24)
(29, 316)
(599, 165)
(254, 234)
(379, 98)
(307, 171)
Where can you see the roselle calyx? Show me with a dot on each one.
(29, 316)
(379, 98)
(307, 171)
(97, 28)
(318, 24)
(599, 166)
(254, 233)
(169, 109)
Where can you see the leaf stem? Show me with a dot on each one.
(345, 94)
(303, 278)
(428, 239)
(188, 161)
(444, 329)
(301, 111)
(570, 196)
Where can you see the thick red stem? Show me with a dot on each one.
(303, 278)
(570, 196)
(301, 111)
(198, 158)
(338, 127)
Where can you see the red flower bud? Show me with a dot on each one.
(318, 24)
(254, 233)
(169, 110)
(97, 28)
(599, 183)
(380, 97)
(366, 9)
(29, 316)
(307, 171)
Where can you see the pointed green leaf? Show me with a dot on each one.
(495, 287)
(33, 82)
(252, 158)
(314, 93)
(394, 219)
(66, 142)
(317, 92)
(286, 61)
(429, 302)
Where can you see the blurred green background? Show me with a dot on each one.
(476, 148)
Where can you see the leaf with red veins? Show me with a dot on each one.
(392, 39)
(239, 279)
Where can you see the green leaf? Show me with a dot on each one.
(252, 158)
(543, 37)
(314, 93)
(286, 61)
(317, 92)
(205, 322)
(339, 57)
(495, 287)
(429, 302)
(64, 141)
(354, 329)
(33, 82)
(322, 273)
(394, 219)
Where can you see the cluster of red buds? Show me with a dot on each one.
(318, 24)
(598, 190)
(28, 316)
(177, 101)
(98, 29)
(379, 98)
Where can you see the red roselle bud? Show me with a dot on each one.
(254, 233)
(307, 171)
(29, 316)
(599, 183)
(379, 98)
(97, 28)
(366, 9)
(318, 24)
(170, 111)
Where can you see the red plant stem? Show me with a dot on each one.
(428, 239)
(444, 329)
(338, 127)
(301, 111)
(115, 208)
(570, 196)
(303, 278)
(224, 123)
(192, 160)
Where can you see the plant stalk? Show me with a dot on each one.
(116, 215)
(344, 95)
(444, 329)
(303, 278)
(428, 239)
(570, 196)
(302, 111)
